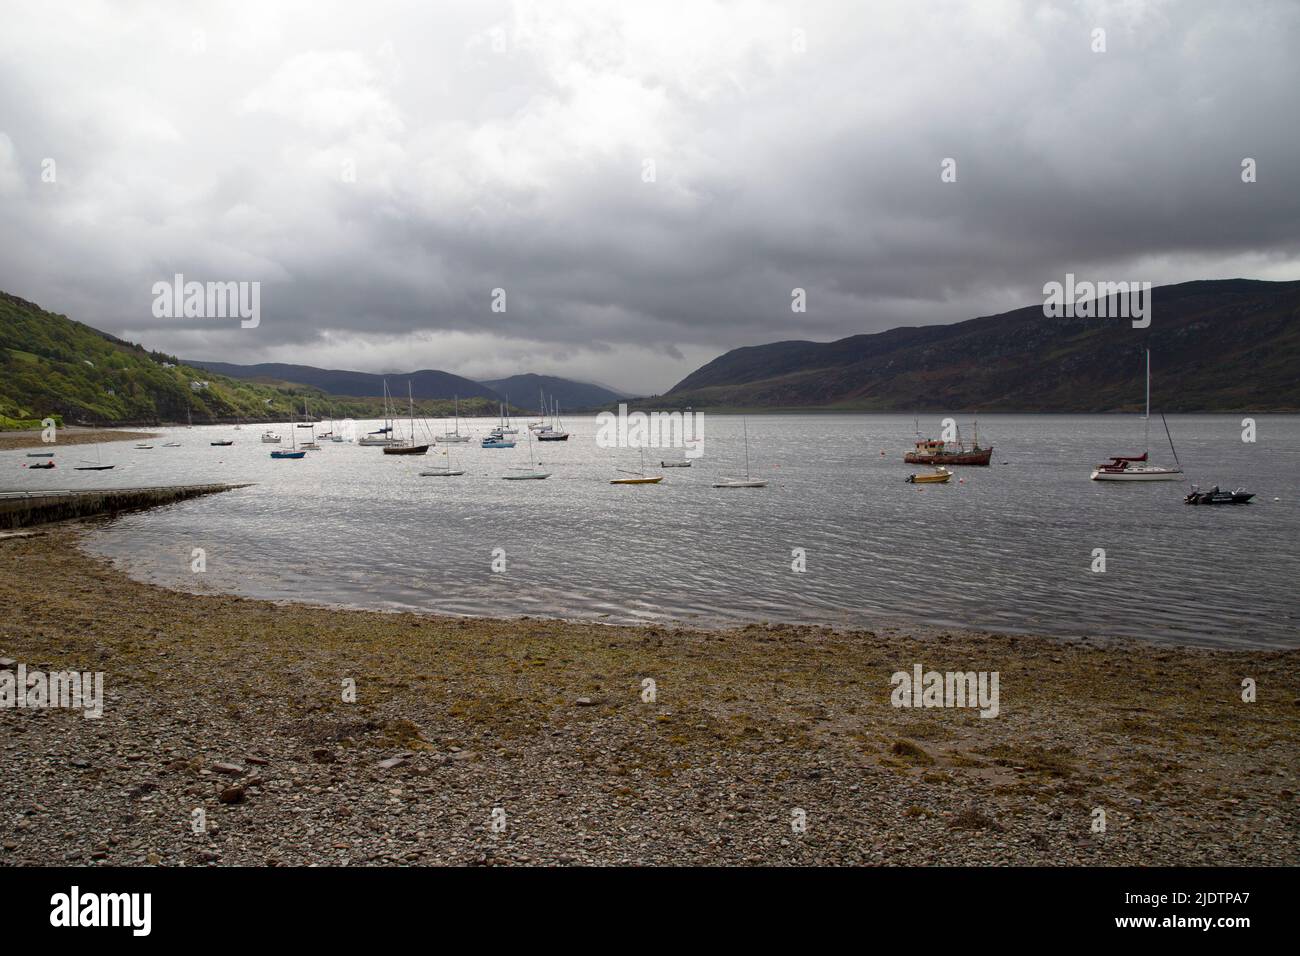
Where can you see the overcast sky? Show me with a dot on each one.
(795, 144)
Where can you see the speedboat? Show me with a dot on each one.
(270, 438)
(1214, 496)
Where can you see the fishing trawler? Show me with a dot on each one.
(933, 451)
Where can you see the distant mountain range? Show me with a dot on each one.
(1226, 345)
(425, 383)
(522, 390)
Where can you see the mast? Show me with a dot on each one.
(410, 401)
(745, 422)
(1146, 419)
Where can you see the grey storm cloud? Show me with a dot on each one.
(380, 169)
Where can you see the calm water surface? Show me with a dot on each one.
(1009, 548)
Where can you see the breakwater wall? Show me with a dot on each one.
(20, 509)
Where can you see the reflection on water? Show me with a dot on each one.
(1009, 547)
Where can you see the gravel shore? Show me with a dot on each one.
(71, 435)
(531, 741)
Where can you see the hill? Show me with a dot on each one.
(524, 391)
(52, 365)
(1217, 345)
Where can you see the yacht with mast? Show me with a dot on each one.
(1138, 467)
(453, 437)
(412, 448)
(747, 481)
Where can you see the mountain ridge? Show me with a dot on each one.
(1217, 344)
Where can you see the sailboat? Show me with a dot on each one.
(97, 466)
(412, 448)
(505, 428)
(746, 482)
(285, 452)
(453, 437)
(528, 473)
(1137, 467)
(309, 444)
(638, 477)
(382, 437)
(443, 471)
(553, 432)
(539, 424)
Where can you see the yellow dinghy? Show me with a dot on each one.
(940, 476)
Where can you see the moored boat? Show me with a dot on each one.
(934, 451)
(747, 481)
(1138, 467)
(938, 477)
(1214, 496)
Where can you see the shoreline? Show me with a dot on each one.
(215, 697)
(69, 435)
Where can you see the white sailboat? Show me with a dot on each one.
(747, 481)
(384, 438)
(310, 444)
(528, 473)
(453, 437)
(1139, 467)
(505, 428)
(445, 470)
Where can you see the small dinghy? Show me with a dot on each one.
(150, 446)
(685, 463)
(172, 444)
(939, 477)
(42, 465)
(214, 444)
(40, 454)
(1216, 497)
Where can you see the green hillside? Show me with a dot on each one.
(51, 365)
